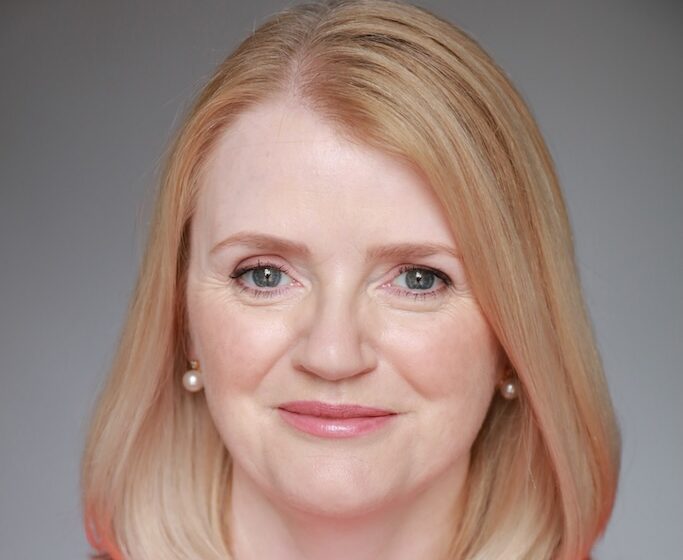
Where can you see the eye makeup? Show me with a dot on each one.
(270, 270)
(420, 294)
(276, 270)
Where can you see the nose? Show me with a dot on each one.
(332, 343)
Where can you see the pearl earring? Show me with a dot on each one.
(192, 378)
(509, 387)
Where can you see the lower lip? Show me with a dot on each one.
(334, 427)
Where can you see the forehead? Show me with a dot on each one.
(282, 169)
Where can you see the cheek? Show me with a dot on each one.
(450, 359)
(236, 348)
(451, 354)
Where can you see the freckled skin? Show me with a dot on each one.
(339, 330)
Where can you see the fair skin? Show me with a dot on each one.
(338, 319)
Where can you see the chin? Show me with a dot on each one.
(339, 491)
(336, 503)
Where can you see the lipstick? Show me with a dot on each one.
(334, 420)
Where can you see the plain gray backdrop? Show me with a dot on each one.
(92, 91)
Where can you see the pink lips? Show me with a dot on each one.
(333, 420)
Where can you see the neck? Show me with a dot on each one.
(418, 526)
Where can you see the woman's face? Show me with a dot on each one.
(324, 271)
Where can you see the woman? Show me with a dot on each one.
(358, 329)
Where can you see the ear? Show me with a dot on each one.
(190, 347)
(504, 367)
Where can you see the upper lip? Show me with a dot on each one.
(327, 410)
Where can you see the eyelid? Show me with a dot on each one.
(255, 291)
(273, 292)
(419, 294)
(438, 273)
(240, 271)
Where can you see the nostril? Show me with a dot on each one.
(332, 343)
(335, 364)
(333, 371)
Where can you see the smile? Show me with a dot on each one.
(334, 421)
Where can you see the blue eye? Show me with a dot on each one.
(421, 281)
(418, 279)
(262, 279)
(270, 280)
(266, 276)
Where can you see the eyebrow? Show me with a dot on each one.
(282, 245)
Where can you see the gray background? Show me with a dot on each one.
(92, 90)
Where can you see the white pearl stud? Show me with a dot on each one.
(508, 388)
(192, 378)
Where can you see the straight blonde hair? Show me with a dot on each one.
(543, 472)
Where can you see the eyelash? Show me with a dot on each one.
(252, 291)
(423, 295)
(277, 291)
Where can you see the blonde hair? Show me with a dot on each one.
(542, 479)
